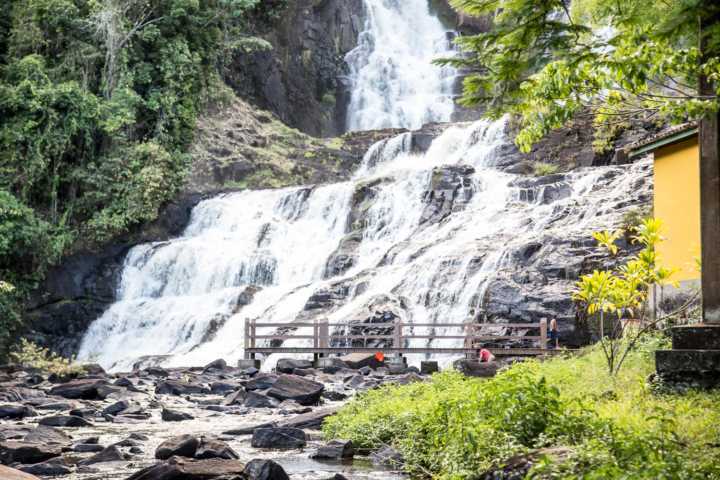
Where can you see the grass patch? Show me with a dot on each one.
(541, 169)
(609, 427)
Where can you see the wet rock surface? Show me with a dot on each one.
(270, 432)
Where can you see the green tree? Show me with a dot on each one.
(547, 63)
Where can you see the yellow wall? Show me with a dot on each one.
(677, 205)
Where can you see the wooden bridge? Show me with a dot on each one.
(321, 342)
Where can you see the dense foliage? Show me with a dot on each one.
(616, 61)
(568, 414)
(98, 106)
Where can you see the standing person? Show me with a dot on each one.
(554, 337)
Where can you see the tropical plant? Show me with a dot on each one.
(541, 169)
(623, 293)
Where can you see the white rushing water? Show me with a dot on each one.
(184, 298)
(264, 254)
(394, 82)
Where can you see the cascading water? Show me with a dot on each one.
(393, 80)
(264, 254)
(441, 236)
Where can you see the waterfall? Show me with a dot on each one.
(393, 80)
(447, 235)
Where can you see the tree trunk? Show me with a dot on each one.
(709, 138)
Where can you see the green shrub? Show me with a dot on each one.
(541, 169)
(612, 427)
(31, 355)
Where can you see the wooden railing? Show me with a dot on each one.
(324, 342)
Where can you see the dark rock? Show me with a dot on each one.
(260, 469)
(357, 361)
(85, 389)
(187, 469)
(258, 400)
(473, 368)
(110, 454)
(48, 435)
(365, 370)
(157, 372)
(51, 468)
(215, 365)
(331, 365)
(387, 456)
(335, 450)
(183, 446)
(261, 382)
(20, 394)
(278, 438)
(223, 387)
(116, 407)
(7, 473)
(59, 406)
(334, 396)
(86, 412)
(12, 451)
(169, 415)
(310, 421)
(213, 448)
(292, 387)
(64, 421)
(16, 412)
(88, 448)
(236, 398)
(178, 387)
(287, 365)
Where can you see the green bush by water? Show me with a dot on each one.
(454, 427)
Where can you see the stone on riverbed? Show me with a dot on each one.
(110, 454)
(213, 448)
(258, 400)
(474, 368)
(260, 469)
(83, 389)
(183, 446)
(292, 387)
(261, 382)
(357, 361)
(16, 411)
(186, 469)
(278, 438)
(65, 421)
(170, 415)
(7, 473)
(52, 468)
(178, 387)
(288, 365)
(48, 435)
(12, 451)
(387, 456)
(335, 450)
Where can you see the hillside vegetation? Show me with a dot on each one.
(566, 416)
(99, 101)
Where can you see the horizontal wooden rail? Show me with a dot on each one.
(321, 337)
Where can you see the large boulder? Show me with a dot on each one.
(84, 389)
(278, 438)
(7, 473)
(183, 446)
(44, 434)
(12, 451)
(260, 469)
(187, 469)
(473, 368)
(258, 400)
(292, 387)
(261, 382)
(51, 468)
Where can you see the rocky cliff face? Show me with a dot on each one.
(300, 79)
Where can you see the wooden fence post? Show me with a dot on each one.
(323, 334)
(543, 334)
(397, 341)
(246, 343)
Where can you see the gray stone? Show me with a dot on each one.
(258, 400)
(387, 456)
(16, 412)
(288, 365)
(335, 450)
(12, 451)
(177, 468)
(64, 421)
(278, 438)
(292, 387)
(50, 468)
(7, 473)
(261, 469)
(85, 389)
(183, 446)
(359, 360)
(213, 448)
(178, 387)
(169, 415)
(109, 454)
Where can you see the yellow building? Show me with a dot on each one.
(677, 196)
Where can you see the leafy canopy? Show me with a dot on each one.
(547, 63)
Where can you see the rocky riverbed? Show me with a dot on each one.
(215, 422)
